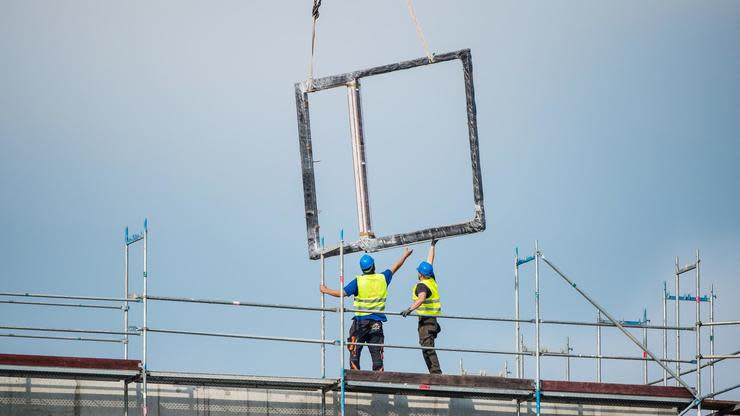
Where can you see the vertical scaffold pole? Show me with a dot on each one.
(517, 331)
(598, 347)
(144, 327)
(323, 314)
(125, 317)
(341, 316)
(678, 323)
(125, 397)
(644, 356)
(711, 339)
(537, 321)
(323, 328)
(665, 331)
(521, 349)
(698, 333)
(567, 359)
(125, 295)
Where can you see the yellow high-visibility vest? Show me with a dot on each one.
(372, 291)
(432, 305)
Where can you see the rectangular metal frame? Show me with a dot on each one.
(371, 244)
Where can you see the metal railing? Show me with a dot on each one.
(519, 352)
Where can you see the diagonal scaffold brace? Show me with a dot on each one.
(621, 328)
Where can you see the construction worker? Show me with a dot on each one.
(428, 306)
(370, 291)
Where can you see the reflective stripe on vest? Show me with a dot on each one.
(372, 291)
(432, 305)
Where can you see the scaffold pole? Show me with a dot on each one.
(341, 318)
(538, 351)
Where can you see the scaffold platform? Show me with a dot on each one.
(82, 368)
(412, 384)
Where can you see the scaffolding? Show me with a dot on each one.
(535, 394)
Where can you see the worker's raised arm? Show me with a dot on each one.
(415, 305)
(430, 256)
(331, 292)
(397, 265)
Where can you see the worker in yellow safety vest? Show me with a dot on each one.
(428, 306)
(370, 291)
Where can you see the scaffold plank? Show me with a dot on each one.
(615, 389)
(722, 407)
(68, 362)
(235, 380)
(437, 385)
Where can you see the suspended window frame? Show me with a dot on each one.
(372, 243)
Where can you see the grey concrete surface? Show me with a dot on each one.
(46, 397)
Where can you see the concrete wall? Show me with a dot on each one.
(37, 397)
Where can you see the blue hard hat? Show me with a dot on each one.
(366, 262)
(425, 269)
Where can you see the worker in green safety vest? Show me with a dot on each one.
(370, 291)
(428, 306)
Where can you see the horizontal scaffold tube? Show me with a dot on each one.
(609, 324)
(691, 370)
(414, 347)
(240, 336)
(611, 357)
(686, 268)
(239, 303)
(721, 357)
(78, 331)
(497, 352)
(465, 317)
(71, 305)
(62, 338)
(531, 321)
(48, 296)
(719, 323)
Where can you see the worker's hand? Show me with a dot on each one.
(406, 312)
(323, 289)
(407, 252)
(434, 242)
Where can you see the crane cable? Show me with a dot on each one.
(315, 17)
(420, 32)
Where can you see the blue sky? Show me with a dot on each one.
(608, 131)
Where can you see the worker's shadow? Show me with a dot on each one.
(461, 406)
(387, 404)
(398, 405)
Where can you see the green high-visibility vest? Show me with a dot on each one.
(432, 305)
(372, 291)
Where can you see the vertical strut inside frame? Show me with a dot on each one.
(358, 159)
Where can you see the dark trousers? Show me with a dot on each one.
(428, 330)
(370, 332)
